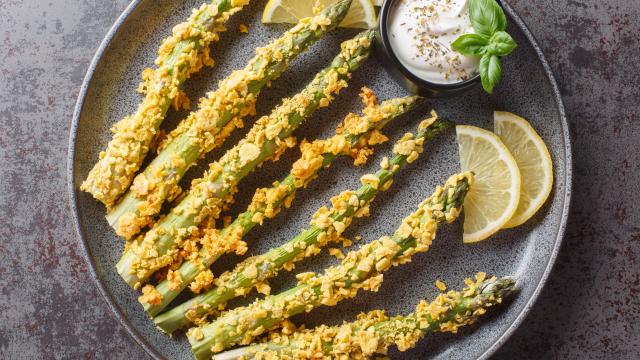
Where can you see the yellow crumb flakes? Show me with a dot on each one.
(202, 130)
(248, 152)
(385, 163)
(250, 272)
(371, 180)
(312, 154)
(339, 226)
(181, 101)
(429, 121)
(264, 140)
(405, 146)
(321, 219)
(263, 288)
(376, 138)
(175, 280)
(373, 333)
(150, 295)
(337, 253)
(195, 333)
(304, 169)
(133, 135)
(202, 281)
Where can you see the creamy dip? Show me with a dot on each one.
(421, 33)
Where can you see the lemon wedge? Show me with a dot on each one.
(493, 199)
(361, 15)
(534, 162)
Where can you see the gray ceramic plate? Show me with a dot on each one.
(528, 252)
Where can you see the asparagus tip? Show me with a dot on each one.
(504, 287)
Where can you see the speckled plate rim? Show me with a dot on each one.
(138, 338)
(115, 309)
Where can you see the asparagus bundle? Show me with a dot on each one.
(352, 138)
(181, 55)
(361, 269)
(219, 114)
(159, 246)
(326, 227)
(374, 332)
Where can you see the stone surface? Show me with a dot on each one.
(50, 307)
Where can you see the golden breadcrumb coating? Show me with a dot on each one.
(211, 193)
(373, 333)
(360, 269)
(133, 135)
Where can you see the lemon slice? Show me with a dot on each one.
(534, 162)
(494, 196)
(361, 15)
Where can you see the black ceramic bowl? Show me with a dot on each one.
(406, 78)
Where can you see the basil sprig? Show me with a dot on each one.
(490, 41)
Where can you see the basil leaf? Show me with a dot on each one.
(501, 44)
(490, 71)
(487, 17)
(470, 44)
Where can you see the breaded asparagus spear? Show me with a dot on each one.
(374, 332)
(219, 114)
(361, 269)
(181, 55)
(353, 137)
(208, 195)
(327, 226)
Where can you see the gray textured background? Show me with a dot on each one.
(50, 308)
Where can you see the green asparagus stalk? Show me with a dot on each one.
(184, 53)
(373, 333)
(327, 226)
(218, 116)
(352, 137)
(159, 246)
(361, 269)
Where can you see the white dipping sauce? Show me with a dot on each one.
(421, 33)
